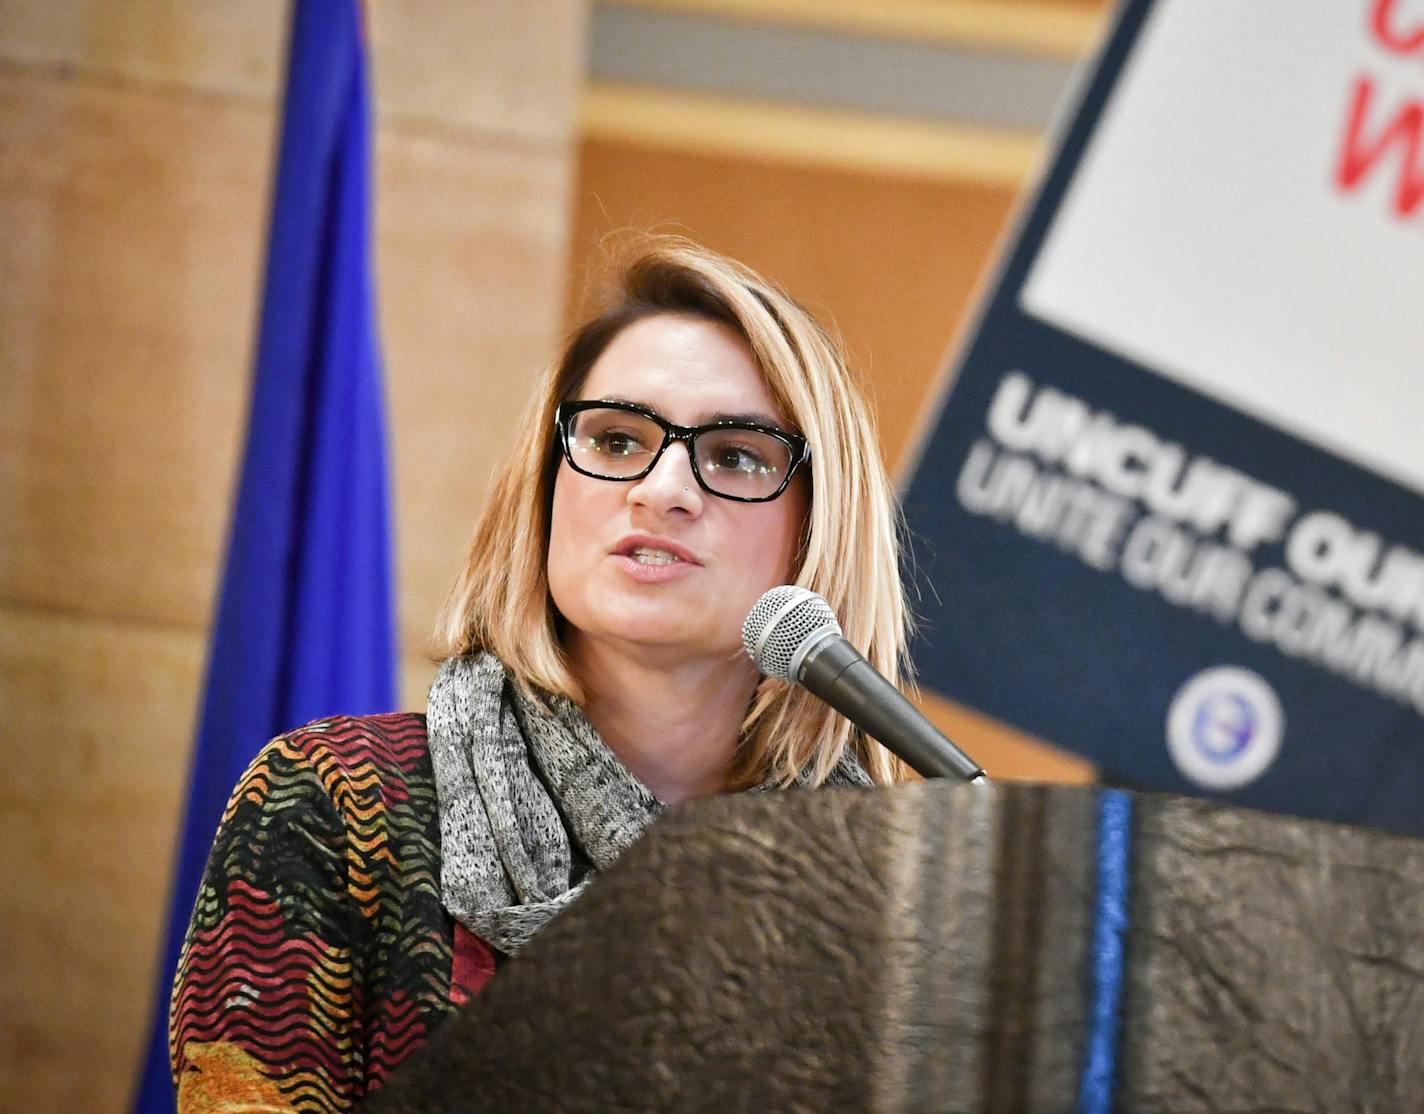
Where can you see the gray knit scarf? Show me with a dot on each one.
(532, 802)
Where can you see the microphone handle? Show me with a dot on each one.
(836, 672)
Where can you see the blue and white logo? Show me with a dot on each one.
(1224, 727)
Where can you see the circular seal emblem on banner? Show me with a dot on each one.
(1224, 727)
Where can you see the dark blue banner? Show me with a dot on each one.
(1166, 517)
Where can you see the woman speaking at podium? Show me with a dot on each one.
(699, 441)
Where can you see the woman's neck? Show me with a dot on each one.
(675, 725)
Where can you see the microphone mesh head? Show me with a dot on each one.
(779, 623)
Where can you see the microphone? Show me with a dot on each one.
(792, 635)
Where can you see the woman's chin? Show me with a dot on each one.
(673, 636)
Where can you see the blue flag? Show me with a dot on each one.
(305, 626)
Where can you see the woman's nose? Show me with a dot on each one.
(671, 484)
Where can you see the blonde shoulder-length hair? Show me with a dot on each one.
(849, 554)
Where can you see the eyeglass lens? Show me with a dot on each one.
(617, 444)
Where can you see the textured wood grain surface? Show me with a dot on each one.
(926, 948)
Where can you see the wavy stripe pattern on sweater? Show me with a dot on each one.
(319, 956)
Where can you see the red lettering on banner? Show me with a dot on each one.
(1382, 25)
(1359, 154)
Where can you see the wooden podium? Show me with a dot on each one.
(940, 947)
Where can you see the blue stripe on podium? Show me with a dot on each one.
(1095, 1092)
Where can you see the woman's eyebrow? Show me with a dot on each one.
(748, 417)
(744, 417)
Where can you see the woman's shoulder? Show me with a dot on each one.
(394, 739)
(358, 755)
(321, 904)
(348, 802)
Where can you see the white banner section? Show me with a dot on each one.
(1249, 219)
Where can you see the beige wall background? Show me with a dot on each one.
(136, 141)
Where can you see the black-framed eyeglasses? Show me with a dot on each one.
(621, 441)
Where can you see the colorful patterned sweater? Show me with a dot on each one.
(319, 956)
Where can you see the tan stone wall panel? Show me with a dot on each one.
(212, 45)
(98, 728)
(416, 674)
(498, 66)
(131, 279)
(471, 245)
(502, 66)
(136, 140)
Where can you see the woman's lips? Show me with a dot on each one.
(654, 562)
(653, 546)
(644, 570)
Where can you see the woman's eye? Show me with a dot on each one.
(616, 442)
(739, 458)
